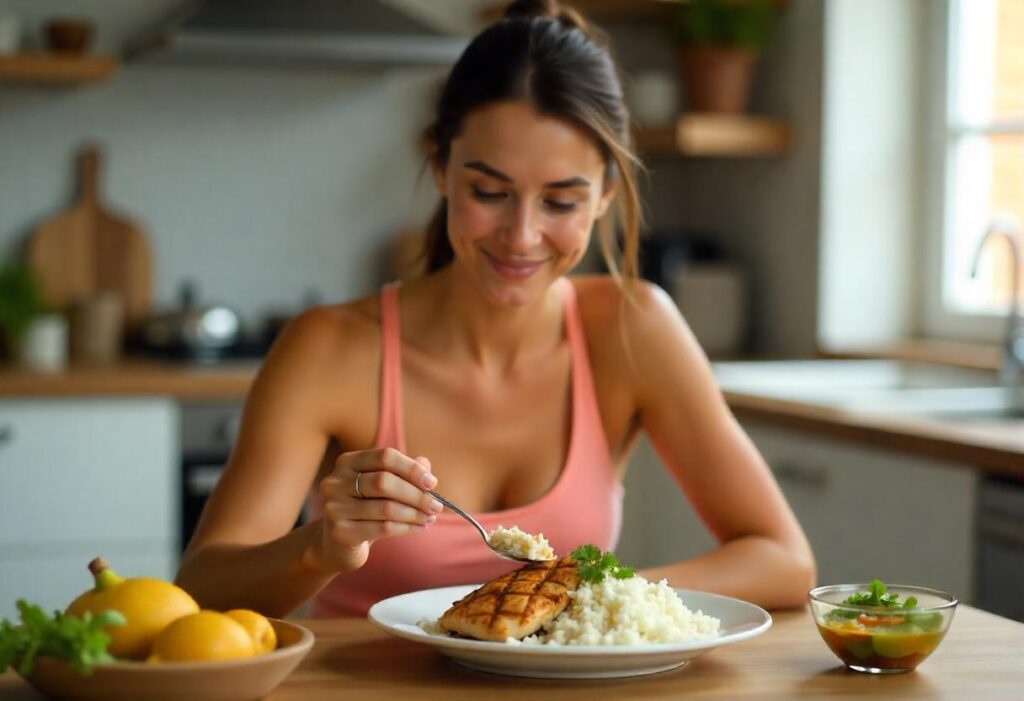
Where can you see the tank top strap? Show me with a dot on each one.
(587, 425)
(390, 431)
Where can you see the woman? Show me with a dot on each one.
(494, 379)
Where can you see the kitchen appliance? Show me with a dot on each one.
(301, 32)
(190, 331)
(1000, 547)
(90, 248)
(208, 433)
(709, 290)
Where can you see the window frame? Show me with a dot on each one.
(941, 134)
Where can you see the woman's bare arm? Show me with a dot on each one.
(763, 554)
(244, 552)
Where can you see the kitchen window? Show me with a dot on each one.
(977, 143)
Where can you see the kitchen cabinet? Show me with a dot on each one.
(81, 478)
(867, 512)
(658, 524)
(872, 513)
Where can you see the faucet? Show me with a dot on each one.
(1006, 225)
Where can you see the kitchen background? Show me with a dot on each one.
(268, 185)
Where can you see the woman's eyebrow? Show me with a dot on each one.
(576, 181)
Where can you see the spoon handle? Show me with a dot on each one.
(463, 514)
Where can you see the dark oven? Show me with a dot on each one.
(208, 431)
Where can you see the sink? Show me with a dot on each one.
(890, 387)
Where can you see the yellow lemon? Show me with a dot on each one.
(147, 605)
(262, 633)
(207, 635)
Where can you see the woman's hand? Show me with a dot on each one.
(391, 499)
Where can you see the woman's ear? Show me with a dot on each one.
(610, 190)
(437, 170)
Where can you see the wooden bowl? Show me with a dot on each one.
(227, 680)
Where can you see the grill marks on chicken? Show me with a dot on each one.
(516, 604)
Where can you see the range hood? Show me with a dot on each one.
(295, 32)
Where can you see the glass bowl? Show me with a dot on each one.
(881, 640)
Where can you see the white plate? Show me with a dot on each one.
(399, 616)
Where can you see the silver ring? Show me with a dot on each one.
(359, 494)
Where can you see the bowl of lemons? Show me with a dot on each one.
(144, 638)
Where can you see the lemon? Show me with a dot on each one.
(147, 605)
(262, 633)
(207, 635)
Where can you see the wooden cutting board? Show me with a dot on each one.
(89, 248)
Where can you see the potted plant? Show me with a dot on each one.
(719, 44)
(22, 307)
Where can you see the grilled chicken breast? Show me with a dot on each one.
(516, 604)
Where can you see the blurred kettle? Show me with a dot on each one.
(191, 330)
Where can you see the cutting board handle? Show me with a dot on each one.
(88, 173)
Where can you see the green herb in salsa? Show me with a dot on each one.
(889, 611)
(877, 596)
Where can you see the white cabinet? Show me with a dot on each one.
(871, 512)
(81, 478)
(868, 512)
(658, 524)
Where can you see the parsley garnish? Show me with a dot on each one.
(877, 596)
(82, 642)
(594, 564)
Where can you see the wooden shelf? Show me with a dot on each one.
(717, 135)
(55, 69)
(605, 10)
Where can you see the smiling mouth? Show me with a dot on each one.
(514, 269)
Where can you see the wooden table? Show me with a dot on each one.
(982, 658)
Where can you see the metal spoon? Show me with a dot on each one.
(481, 531)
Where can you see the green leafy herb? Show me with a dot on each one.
(877, 596)
(82, 642)
(594, 564)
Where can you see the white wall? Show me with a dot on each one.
(871, 171)
(764, 212)
(258, 184)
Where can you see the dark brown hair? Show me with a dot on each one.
(547, 55)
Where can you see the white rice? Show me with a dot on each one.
(624, 612)
(521, 544)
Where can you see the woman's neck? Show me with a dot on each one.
(463, 324)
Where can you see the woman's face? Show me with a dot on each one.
(523, 192)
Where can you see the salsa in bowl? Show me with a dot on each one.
(878, 629)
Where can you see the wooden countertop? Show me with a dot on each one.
(979, 659)
(996, 447)
(132, 377)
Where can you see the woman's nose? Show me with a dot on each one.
(521, 231)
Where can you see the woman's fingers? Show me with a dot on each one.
(369, 531)
(381, 474)
(391, 460)
(380, 510)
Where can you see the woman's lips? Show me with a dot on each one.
(514, 269)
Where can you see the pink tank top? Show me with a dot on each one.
(584, 505)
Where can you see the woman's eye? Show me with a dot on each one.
(560, 206)
(486, 196)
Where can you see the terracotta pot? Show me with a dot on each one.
(68, 36)
(717, 78)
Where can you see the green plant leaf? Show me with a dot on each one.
(80, 641)
(745, 24)
(594, 565)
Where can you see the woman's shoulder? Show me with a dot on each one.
(330, 334)
(634, 308)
